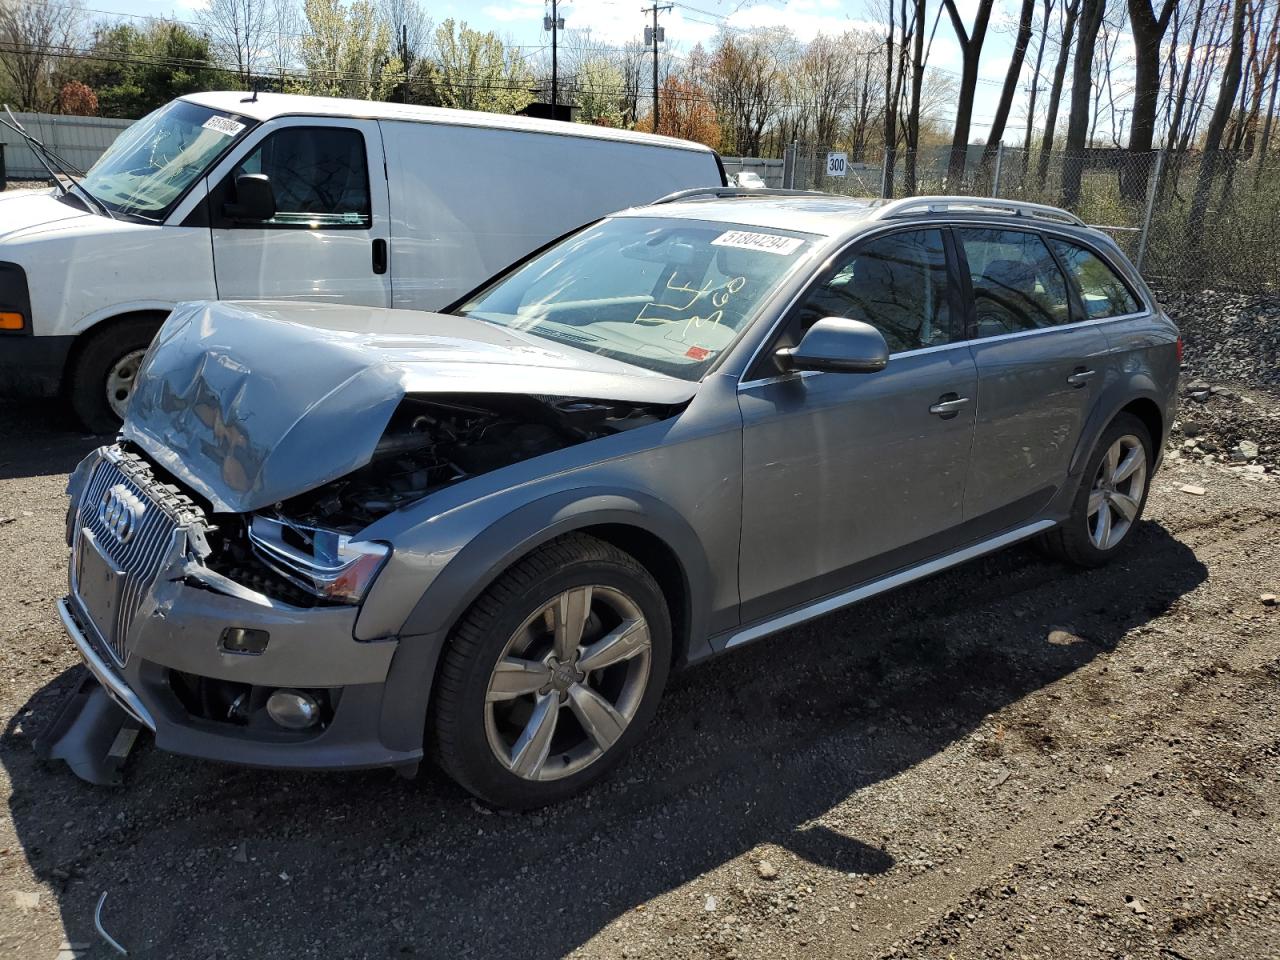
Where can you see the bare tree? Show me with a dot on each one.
(35, 34)
(1227, 89)
(1035, 77)
(1148, 27)
(241, 31)
(746, 83)
(1078, 120)
(410, 30)
(971, 48)
(1021, 39)
(1072, 14)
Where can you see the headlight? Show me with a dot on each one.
(328, 564)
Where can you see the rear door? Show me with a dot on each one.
(1039, 372)
(328, 239)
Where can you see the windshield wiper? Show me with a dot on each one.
(46, 156)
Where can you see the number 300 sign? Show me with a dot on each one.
(837, 164)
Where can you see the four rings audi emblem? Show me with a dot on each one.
(121, 511)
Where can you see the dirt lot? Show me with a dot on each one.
(1014, 759)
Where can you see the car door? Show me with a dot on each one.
(850, 475)
(1039, 370)
(328, 238)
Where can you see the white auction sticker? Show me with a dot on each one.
(223, 125)
(764, 242)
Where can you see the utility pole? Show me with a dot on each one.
(655, 35)
(554, 23)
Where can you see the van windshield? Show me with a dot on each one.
(666, 294)
(152, 163)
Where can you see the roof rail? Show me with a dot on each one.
(726, 193)
(1017, 208)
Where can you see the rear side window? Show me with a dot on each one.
(897, 283)
(1017, 285)
(1104, 294)
(320, 177)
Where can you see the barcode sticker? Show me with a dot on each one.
(764, 242)
(223, 125)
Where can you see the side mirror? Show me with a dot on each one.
(837, 345)
(255, 200)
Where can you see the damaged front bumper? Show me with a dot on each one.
(151, 623)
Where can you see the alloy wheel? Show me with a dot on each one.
(568, 683)
(1116, 495)
(120, 380)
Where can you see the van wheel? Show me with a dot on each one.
(105, 369)
(1113, 491)
(552, 675)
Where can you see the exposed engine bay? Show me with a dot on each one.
(428, 444)
(431, 443)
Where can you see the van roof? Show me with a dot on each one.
(268, 106)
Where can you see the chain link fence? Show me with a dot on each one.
(1189, 220)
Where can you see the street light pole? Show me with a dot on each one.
(554, 23)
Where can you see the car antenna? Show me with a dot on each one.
(253, 97)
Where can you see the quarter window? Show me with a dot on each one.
(320, 177)
(1017, 285)
(1104, 294)
(897, 283)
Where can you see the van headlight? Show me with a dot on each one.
(330, 565)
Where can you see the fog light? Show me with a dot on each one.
(293, 709)
(242, 640)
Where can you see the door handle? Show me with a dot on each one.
(379, 256)
(948, 405)
(1081, 377)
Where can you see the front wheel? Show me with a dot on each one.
(105, 370)
(552, 675)
(1112, 494)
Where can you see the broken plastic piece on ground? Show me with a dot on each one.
(91, 734)
(97, 922)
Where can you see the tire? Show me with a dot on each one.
(114, 349)
(478, 721)
(1077, 541)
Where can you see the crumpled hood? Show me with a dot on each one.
(252, 403)
(22, 210)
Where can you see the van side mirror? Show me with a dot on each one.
(255, 200)
(837, 345)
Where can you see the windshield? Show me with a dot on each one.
(153, 162)
(666, 294)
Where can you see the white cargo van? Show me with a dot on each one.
(236, 196)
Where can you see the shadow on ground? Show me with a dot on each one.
(40, 437)
(208, 861)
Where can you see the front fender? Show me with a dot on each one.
(506, 539)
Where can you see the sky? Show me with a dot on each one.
(616, 22)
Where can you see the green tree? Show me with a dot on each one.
(135, 70)
(598, 92)
(347, 50)
(476, 71)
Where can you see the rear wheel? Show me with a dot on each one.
(105, 370)
(552, 675)
(1112, 495)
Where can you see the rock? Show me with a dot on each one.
(1192, 489)
(1192, 428)
(710, 905)
(242, 854)
(768, 871)
(1268, 599)
(1138, 907)
(25, 900)
(1247, 449)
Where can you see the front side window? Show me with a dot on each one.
(151, 164)
(1104, 294)
(897, 283)
(319, 175)
(1017, 285)
(667, 294)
